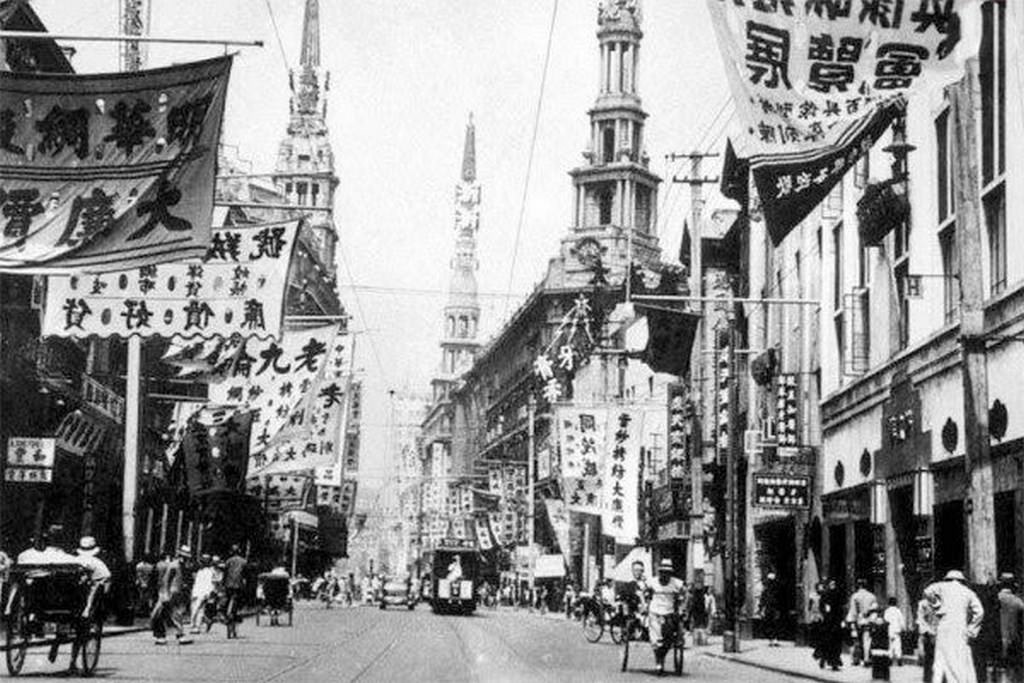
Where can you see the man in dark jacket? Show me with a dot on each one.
(1011, 630)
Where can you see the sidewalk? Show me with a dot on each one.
(797, 662)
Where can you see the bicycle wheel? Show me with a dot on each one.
(17, 635)
(616, 630)
(89, 639)
(593, 626)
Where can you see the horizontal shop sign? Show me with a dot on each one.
(782, 491)
(29, 475)
(30, 451)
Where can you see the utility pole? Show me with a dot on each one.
(977, 460)
(134, 18)
(696, 180)
(531, 472)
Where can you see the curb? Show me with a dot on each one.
(106, 634)
(768, 667)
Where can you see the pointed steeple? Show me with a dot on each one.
(469, 152)
(311, 35)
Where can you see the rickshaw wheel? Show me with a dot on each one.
(617, 631)
(17, 636)
(90, 638)
(593, 629)
(625, 651)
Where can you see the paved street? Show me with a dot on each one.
(366, 644)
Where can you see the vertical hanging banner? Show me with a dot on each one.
(582, 440)
(678, 417)
(622, 474)
(216, 449)
(483, 534)
(109, 171)
(312, 435)
(237, 289)
(273, 379)
(558, 516)
(816, 82)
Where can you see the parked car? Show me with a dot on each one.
(399, 592)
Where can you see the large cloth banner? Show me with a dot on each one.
(816, 82)
(582, 441)
(273, 379)
(237, 289)
(110, 171)
(280, 492)
(312, 436)
(215, 449)
(622, 474)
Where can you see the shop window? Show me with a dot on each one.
(950, 273)
(992, 75)
(995, 224)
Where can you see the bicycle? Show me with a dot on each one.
(599, 616)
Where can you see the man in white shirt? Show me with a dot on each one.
(45, 551)
(87, 555)
(665, 594)
(202, 588)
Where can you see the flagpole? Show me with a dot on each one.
(37, 35)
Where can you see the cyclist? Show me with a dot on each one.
(664, 597)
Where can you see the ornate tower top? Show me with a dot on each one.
(469, 153)
(619, 14)
(311, 35)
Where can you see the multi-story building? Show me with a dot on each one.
(923, 443)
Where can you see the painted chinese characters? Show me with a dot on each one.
(96, 168)
(236, 289)
(582, 441)
(817, 81)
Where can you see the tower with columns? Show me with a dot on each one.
(462, 312)
(616, 194)
(304, 172)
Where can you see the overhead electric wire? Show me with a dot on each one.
(362, 314)
(277, 33)
(533, 147)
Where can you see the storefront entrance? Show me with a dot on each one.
(777, 552)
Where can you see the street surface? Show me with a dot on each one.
(367, 644)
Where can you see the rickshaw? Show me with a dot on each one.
(599, 616)
(273, 597)
(635, 631)
(60, 594)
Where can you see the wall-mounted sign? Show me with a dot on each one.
(782, 491)
(30, 459)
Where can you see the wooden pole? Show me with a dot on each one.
(295, 544)
(188, 535)
(132, 418)
(979, 506)
(163, 530)
(177, 529)
(148, 546)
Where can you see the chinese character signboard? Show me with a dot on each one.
(79, 433)
(622, 474)
(109, 171)
(816, 82)
(30, 460)
(483, 534)
(678, 414)
(581, 434)
(782, 491)
(570, 347)
(237, 289)
(280, 492)
(273, 379)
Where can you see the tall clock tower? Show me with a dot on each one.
(462, 312)
(615, 192)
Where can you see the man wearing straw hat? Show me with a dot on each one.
(958, 613)
(170, 597)
(87, 555)
(665, 594)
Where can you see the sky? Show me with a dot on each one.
(404, 76)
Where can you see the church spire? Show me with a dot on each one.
(311, 36)
(469, 152)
